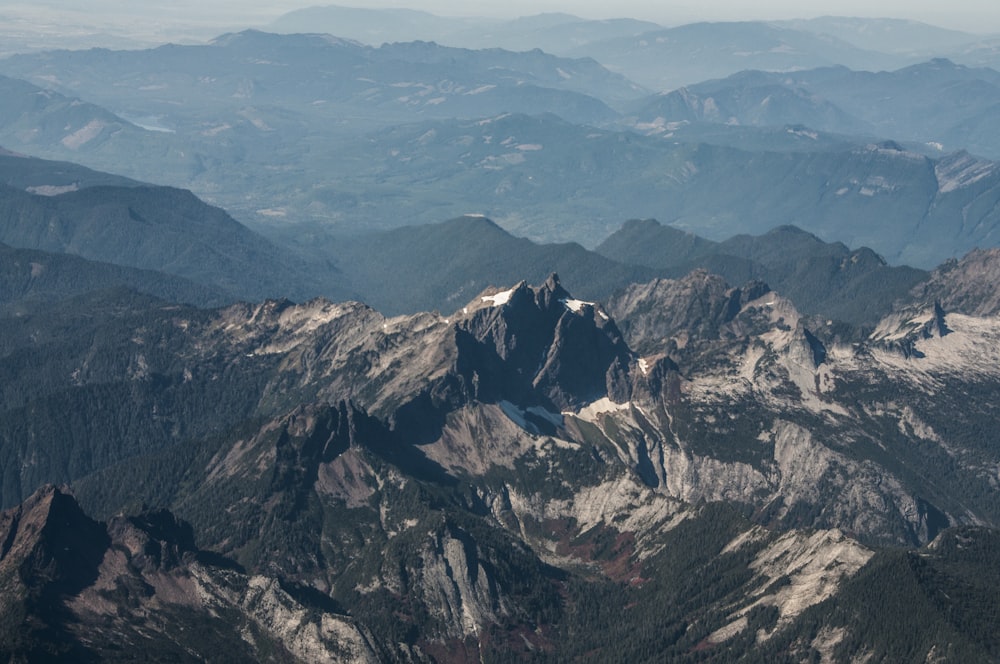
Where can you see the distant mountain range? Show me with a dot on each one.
(550, 180)
(701, 51)
(939, 103)
(325, 76)
(556, 33)
(404, 270)
(621, 44)
(286, 154)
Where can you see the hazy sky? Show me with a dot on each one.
(981, 16)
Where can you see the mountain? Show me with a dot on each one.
(697, 306)
(440, 266)
(940, 103)
(156, 228)
(537, 176)
(964, 286)
(321, 77)
(875, 196)
(749, 98)
(922, 102)
(650, 243)
(912, 39)
(434, 266)
(551, 32)
(821, 278)
(252, 138)
(486, 473)
(701, 51)
(368, 26)
(410, 269)
(542, 177)
(36, 116)
(752, 138)
(981, 53)
(549, 180)
(31, 275)
(427, 366)
(79, 589)
(43, 122)
(854, 286)
(763, 447)
(934, 588)
(42, 176)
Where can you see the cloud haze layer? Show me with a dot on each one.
(971, 15)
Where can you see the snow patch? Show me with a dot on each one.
(599, 407)
(499, 299)
(576, 306)
(52, 189)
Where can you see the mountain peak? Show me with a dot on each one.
(945, 63)
(49, 539)
(551, 291)
(583, 355)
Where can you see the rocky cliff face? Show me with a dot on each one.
(966, 286)
(767, 407)
(667, 313)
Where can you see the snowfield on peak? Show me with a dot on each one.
(499, 299)
(603, 405)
